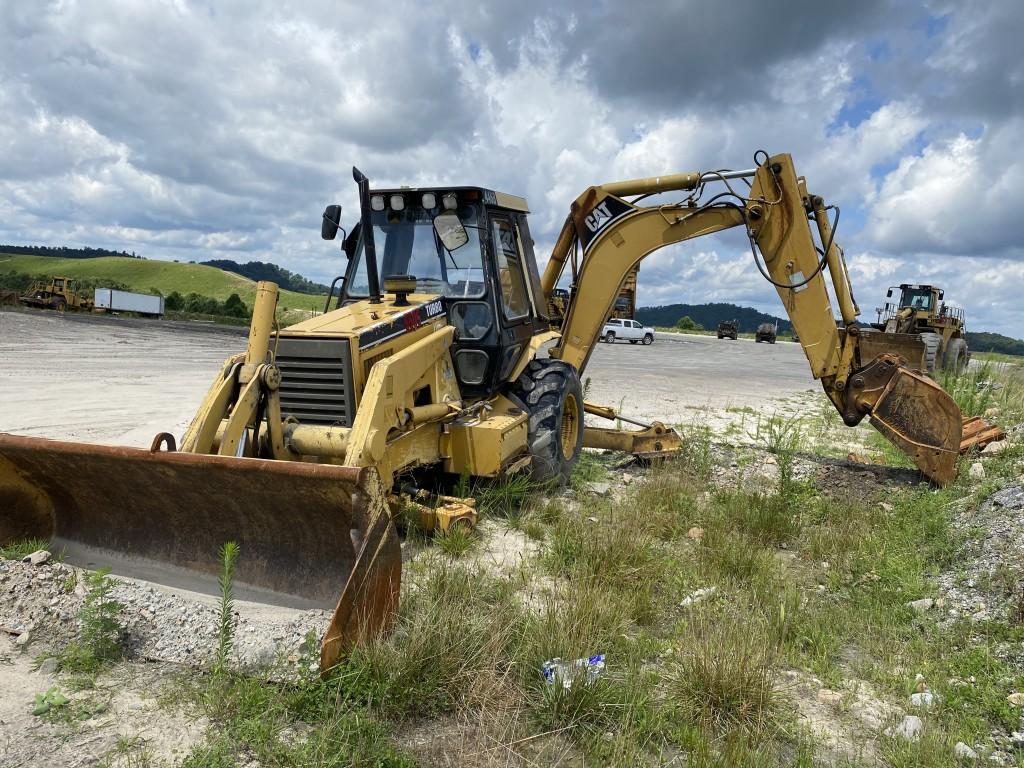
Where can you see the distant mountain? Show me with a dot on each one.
(259, 270)
(709, 316)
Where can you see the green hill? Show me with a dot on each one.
(994, 342)
(709, 316)
(146, 275)
(260, 270)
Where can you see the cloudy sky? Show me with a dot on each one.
(193, 130)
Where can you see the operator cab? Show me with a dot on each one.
(918, 297)
(468, 246)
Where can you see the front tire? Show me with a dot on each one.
(648, 339)
(609, 337)
(552, 394)
(955, 357)
(932, 342)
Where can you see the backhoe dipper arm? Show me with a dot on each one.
(614, 235)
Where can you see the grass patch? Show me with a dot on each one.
(18, 550)
(724, 678)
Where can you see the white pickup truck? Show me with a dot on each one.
(627, 330)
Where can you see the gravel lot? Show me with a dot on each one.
(118, 381)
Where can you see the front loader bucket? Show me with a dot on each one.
(309, 535)
(922, 420)
(909, 346)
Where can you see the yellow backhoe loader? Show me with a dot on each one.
(308, 441)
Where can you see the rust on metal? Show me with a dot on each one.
(299, 526)
(977, 433)
(655, 441)
(922, 420)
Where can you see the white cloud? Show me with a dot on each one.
(955, 197)
(192, 132)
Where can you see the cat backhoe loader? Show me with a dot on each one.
(308, 442)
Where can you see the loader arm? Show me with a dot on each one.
(606, 236)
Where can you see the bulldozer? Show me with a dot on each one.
(437, 360)
(59, 293)
(925, 327)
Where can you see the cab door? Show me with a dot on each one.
(517, 308)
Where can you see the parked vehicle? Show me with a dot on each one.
(58, 293)
(728, 329)
(627, 330)
(110, 300)
(766, 332)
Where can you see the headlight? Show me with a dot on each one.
(377, 203)
(397, 203)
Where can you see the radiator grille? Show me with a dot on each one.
(316, 380)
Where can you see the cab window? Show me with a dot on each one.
(511, 271)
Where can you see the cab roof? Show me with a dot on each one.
(489, 196)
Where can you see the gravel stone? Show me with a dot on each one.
(38, 557)
(923, 700)
(964, 752)
(909, 728)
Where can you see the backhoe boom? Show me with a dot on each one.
(606, 236)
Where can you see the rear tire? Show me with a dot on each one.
(609, 337)
(551, 392)
(932, 342)
(60, 305)
(955, 358)
(648, 339)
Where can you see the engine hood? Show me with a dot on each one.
(372, 323)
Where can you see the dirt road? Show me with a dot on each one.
(112, 380)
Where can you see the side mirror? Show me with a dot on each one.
(888, 294)
(331, 222)
(450, 230)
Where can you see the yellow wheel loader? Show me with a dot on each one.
(922, 326)
(437, 358)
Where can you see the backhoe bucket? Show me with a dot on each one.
(922, 420)
(309, 535)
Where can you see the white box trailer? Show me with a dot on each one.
(109, 300)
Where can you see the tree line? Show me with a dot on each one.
(63, 252)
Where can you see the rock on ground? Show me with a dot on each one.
(976, 586)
